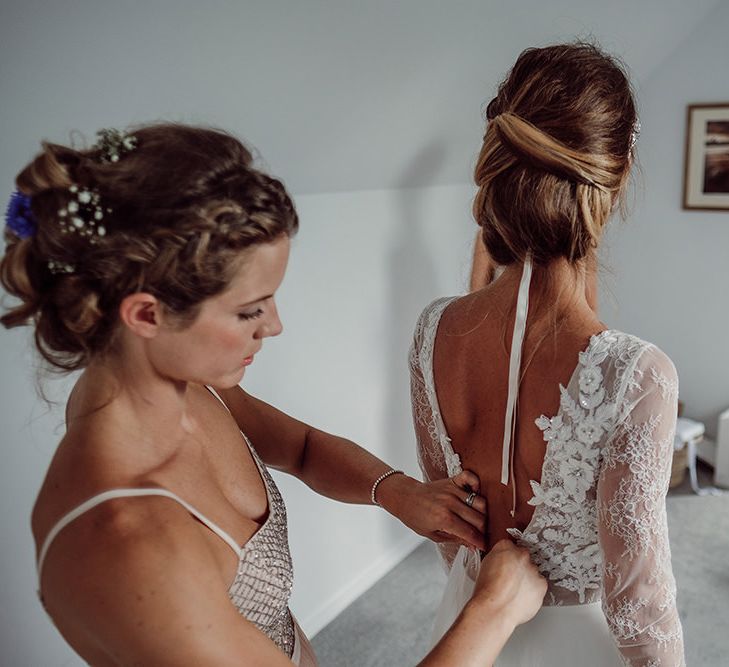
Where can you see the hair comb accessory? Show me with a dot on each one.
(60, 267)
(19, 217)
(635, 133)
(114, 143)
(84, 214)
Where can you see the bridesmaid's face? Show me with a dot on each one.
(221, 343)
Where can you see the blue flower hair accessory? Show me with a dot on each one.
(19, 217)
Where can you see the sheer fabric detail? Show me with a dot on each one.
(435, 452)
(599, 530)
(639, 591)
(426, 412)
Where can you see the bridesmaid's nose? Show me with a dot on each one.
(271, 326)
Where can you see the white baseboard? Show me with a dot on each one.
(326, 612)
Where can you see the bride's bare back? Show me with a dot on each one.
(471, 372)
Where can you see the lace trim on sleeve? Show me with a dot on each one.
(426, 413)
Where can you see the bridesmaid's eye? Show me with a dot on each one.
(251, 316)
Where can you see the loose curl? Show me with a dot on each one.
(556, 155)
(186, 203)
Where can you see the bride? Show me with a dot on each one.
(568, 424)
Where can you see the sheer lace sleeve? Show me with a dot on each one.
(639, 591)
(430, 455)
(435, 453)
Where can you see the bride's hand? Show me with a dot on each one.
(447, 510)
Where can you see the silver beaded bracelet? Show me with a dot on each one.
(392, 471)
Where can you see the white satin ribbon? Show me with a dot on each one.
(517, 342)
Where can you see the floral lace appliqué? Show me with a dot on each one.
(562, 534)
(669, 388)
(600, 495)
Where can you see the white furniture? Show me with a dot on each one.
(690, 434)
(716, 452)
(721, 467)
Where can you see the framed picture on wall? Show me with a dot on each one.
(706, 167)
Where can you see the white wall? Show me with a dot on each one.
(670, 281)
(363, 267)
(29, 436)
(339, 95)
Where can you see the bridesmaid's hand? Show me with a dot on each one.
(438, 510)
(509, 584)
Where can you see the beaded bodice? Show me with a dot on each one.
(264, 578)
(262, 585)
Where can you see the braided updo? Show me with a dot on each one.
(556, 155)
(179, 210)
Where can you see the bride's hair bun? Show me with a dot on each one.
(556, 155)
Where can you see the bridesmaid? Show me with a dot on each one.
(150, 262)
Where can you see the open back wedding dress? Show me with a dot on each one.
(598, 532)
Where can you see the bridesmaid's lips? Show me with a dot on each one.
(248, 361)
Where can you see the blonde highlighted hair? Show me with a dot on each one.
(556, 154)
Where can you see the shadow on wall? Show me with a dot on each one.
(412, 280)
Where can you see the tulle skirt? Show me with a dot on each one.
(570, 636)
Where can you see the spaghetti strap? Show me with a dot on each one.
(254, 454)
(217, 395)
(128, 493)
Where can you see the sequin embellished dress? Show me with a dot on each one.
(262, 585)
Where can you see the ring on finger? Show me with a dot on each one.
(471, 497)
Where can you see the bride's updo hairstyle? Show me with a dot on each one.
(168, 211)
(556, 155)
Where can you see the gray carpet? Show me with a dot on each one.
(389, 626)
(699, 530)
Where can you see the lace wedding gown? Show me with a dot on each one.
(598, 532)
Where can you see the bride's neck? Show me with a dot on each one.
(558, 291)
